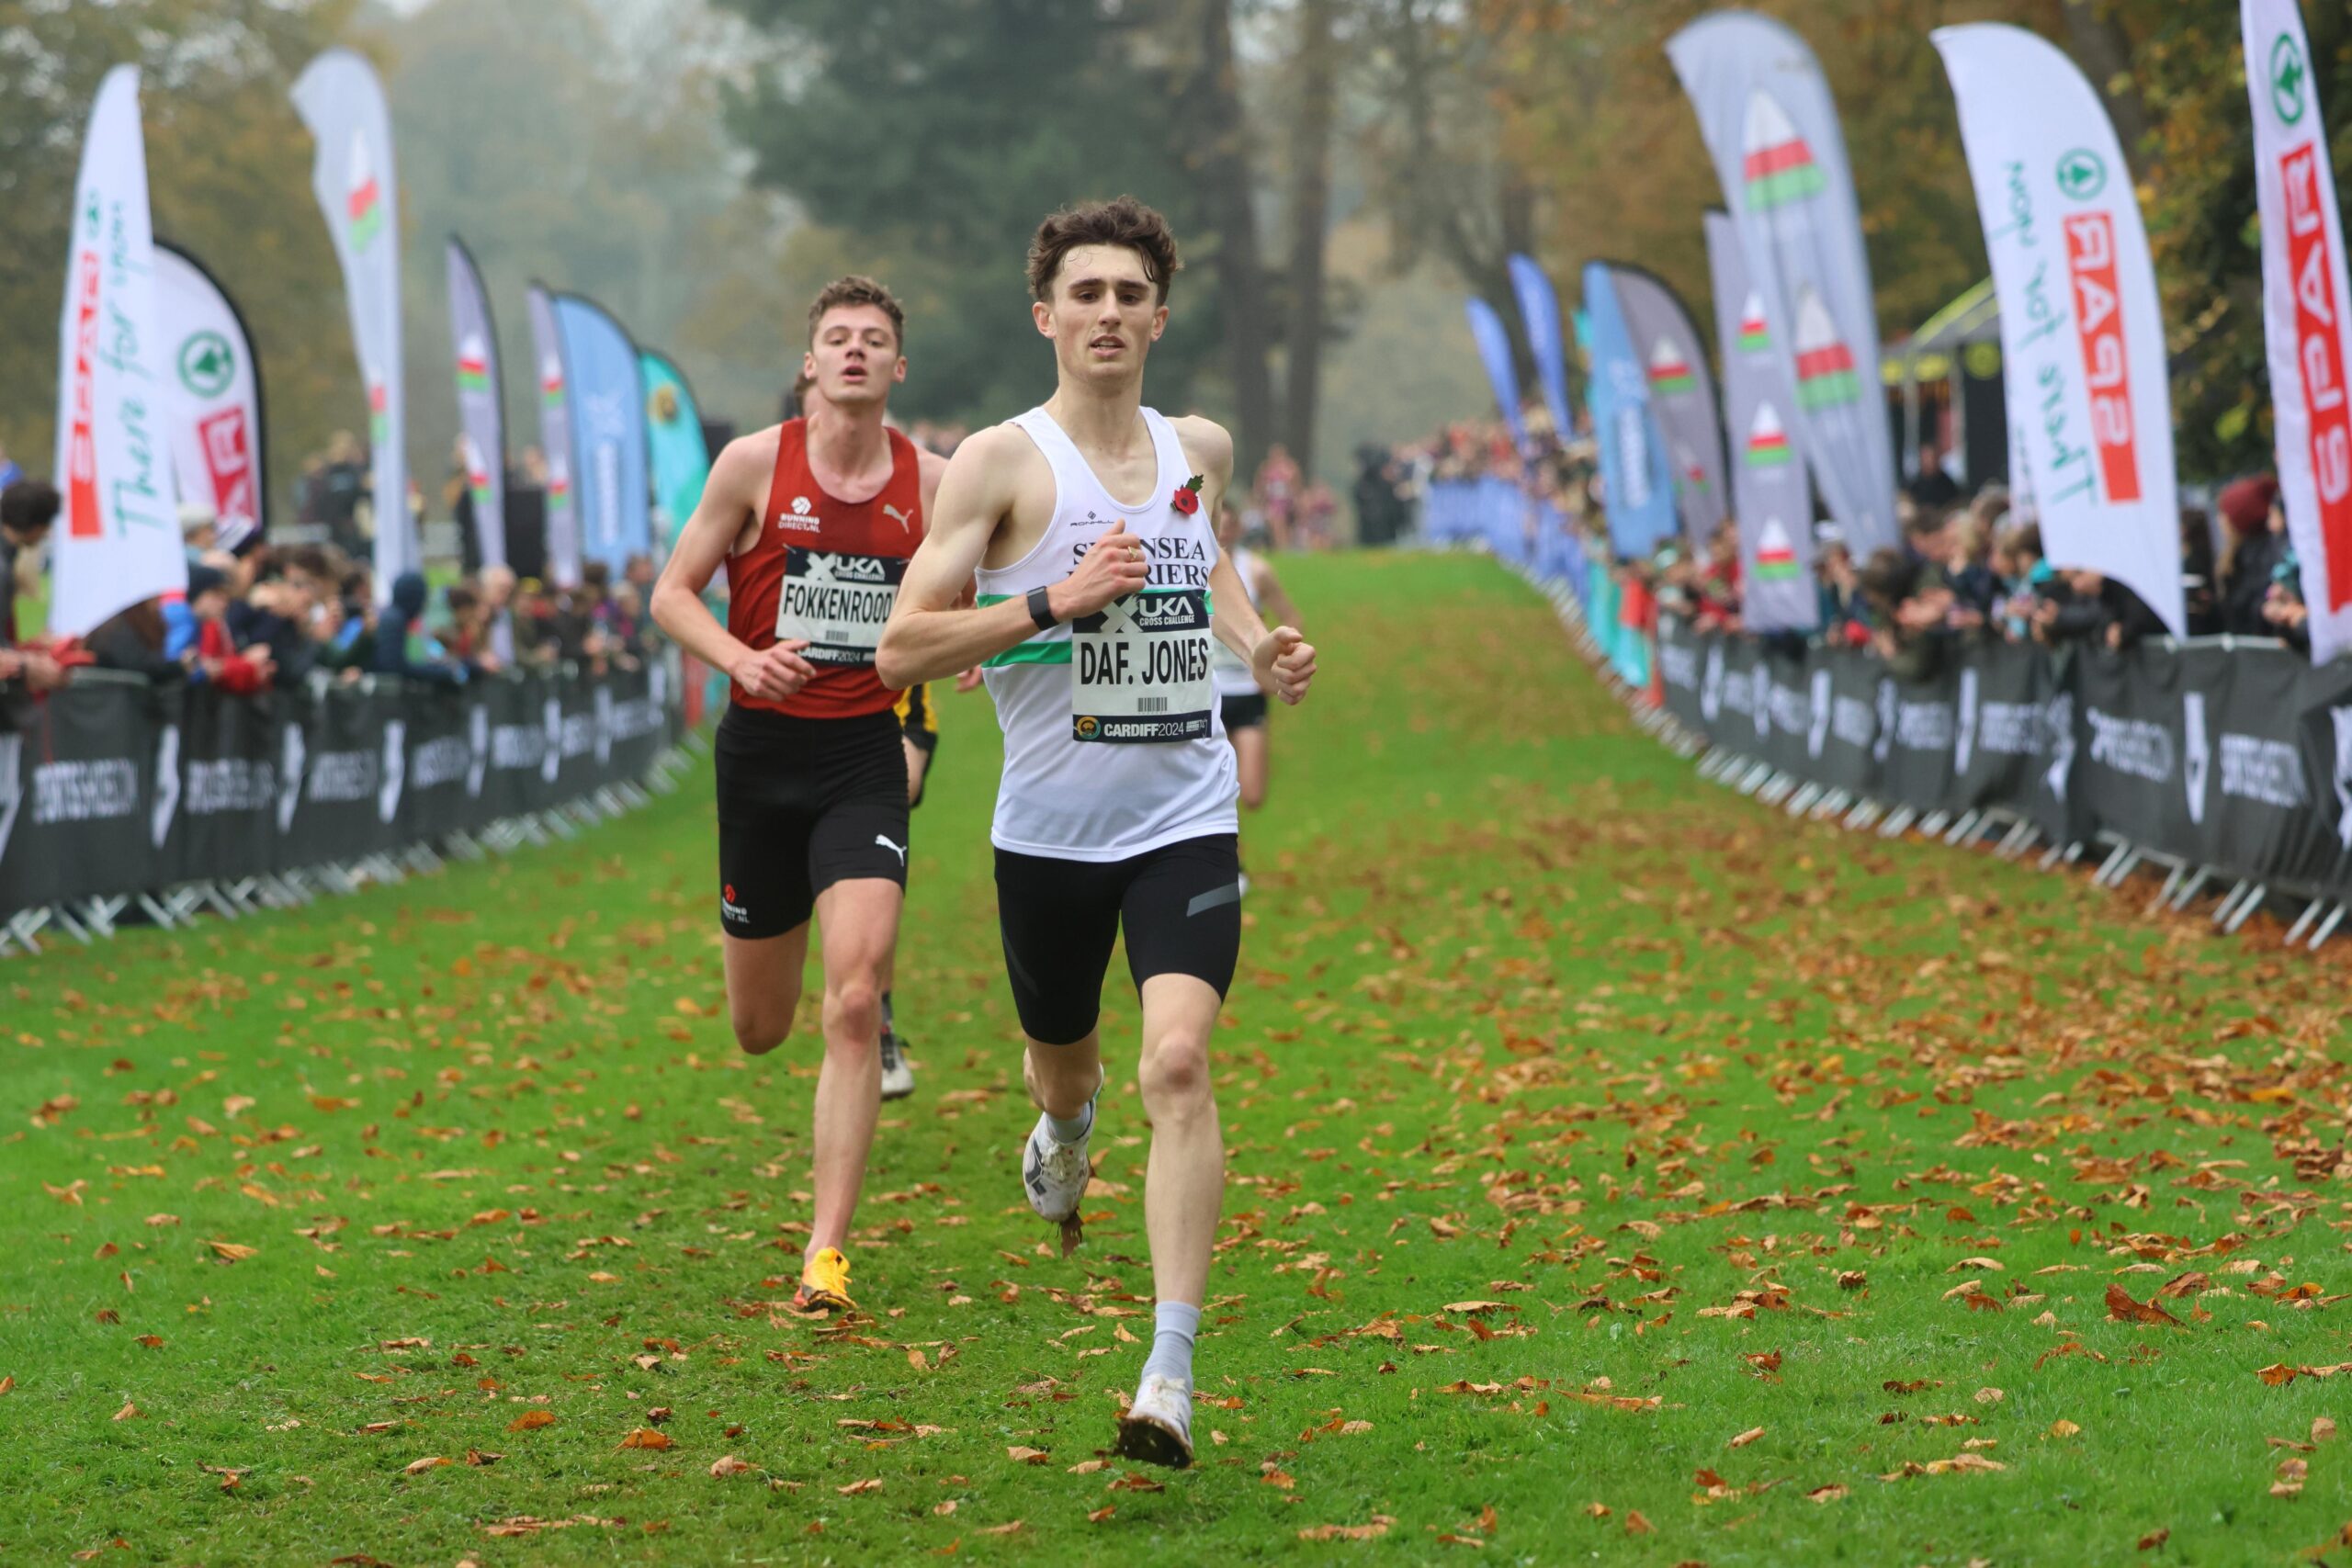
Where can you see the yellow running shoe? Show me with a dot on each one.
(824, 1283)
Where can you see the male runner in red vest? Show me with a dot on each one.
(815, 525)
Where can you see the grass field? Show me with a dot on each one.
(1621, 1172)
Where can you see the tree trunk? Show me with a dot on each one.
(1315, 74)
(2106, 56)
(1220, 169)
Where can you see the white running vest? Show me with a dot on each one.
(1113, 745)
(1230, 670)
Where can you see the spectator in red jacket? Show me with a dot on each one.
(217, 659)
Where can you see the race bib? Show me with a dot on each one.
(839, 604)
(1139, 670)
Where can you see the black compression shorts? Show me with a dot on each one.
(1244, 710)
(1179, 905)
(804, 802)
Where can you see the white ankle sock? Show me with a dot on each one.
(1070, 1129)
(1173, 1325)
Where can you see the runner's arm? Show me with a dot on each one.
(1271, 595)
(928, 637)
(735, 489)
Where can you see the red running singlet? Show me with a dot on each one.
(828, 572)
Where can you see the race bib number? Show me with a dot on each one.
(1139, 670)
(838, 604)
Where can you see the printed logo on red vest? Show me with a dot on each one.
(2319, 353)
(2107, 369)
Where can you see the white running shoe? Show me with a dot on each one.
(897, 1073)
(1056, 1173)
(1158, 1428)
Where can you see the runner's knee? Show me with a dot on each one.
(761, 1026)
(1176, 1068)
(853, 1011)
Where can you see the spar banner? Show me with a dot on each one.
(1538, 312)
(2306, 314)
(555, 441)
(1772, 500)
(1486, 330)
(340, 99)
(2082, 335)
(2236, 759)
(212, 381)
(1637, 482)
(606, 400)
(681, 459)
(481, 409)
(117, 541)
(116, 786)
(1771, 128)
(1682, 396)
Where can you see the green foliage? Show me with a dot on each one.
(929, 137)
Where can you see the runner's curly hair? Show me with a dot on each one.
(1121, 221)
(858, 289)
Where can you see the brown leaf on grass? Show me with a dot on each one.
(70, 1193)
(9, 1383)
(1852, 1280)
(2323, 1427)
(1372, 1531)
(153, 1341)
(1273, 1474)
(1635, 1523)
(917, 1361)
(1990, 1264)
(1472, 1308)
(531, 1420)
(1746, 1437)
(728, 1465)
(1131, 1482)
(646, 1437)
(2278, 1374)
(418, 1466)
(2182, 1284)
(859, 1488)
(2061, 1427)
(129, 1412)
(1104, 1512)
(1766, 1363)
(1944, 1466)
(2292, 1473)
(2156, 1537)
(2121, 1308)
(1597, 1510)
(1010, 1527)
(230, 1251)
(1829, 1494)
(1089, 1466)
(1020, 1455)
(1447, 1537)
(481, 1460)
(1990, 1396)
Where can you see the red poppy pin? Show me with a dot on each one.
(1187, 499)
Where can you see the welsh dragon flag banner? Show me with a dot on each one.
(119, 537)
(1538, 312)
(1493, 339)
(340, 99)
(2306, 316)
(1771, 496)
(481, 413)
(1771, 128)
(1682, 396)
(555, 441)
(2082, 334)
(1637, 485)
(213, 393)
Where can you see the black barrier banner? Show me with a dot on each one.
(2239, 759)
(115, 786)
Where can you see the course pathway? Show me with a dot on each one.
(1620, 1172)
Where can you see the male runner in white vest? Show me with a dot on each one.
(815, 523)
(1087, 525)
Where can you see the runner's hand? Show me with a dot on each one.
(1113, 567)
(774, 673)
(1284, 662)
(969, 680)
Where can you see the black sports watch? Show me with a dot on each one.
(1041, 609)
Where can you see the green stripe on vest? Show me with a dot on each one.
(1038, 649)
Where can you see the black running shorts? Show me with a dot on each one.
(1180, 905)
(804, 802)
(1245, 711)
